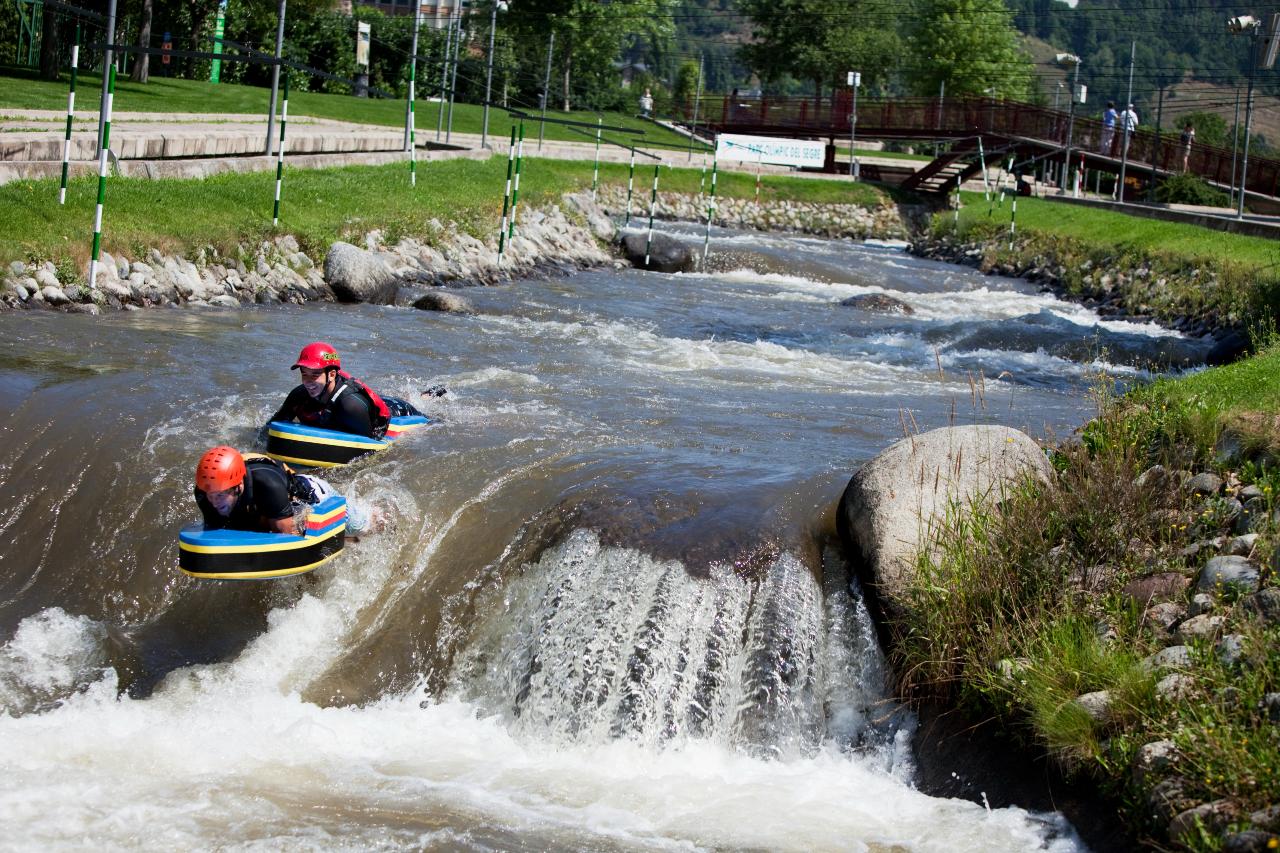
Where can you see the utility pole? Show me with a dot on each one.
(275, 75)
(108, 57)
(453, 79)
(546, 87)
(1074, 61)
(413, 74)
(488, 81)
(444, 76)
(1128, 111)
(855, 80)
(697, 98)
(1235, 143)
(1248, 124)
(1155, 154)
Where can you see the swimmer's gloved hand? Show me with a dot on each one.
(435, 391)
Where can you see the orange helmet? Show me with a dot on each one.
(220, 469)
(317, 356)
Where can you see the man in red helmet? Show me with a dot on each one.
(260, 494)
(333, 399)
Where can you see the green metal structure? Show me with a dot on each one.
(30, 28)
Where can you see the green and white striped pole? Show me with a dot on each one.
(595, 174)
(506, 195)
(702, 180)
(631, 179)
(102, 174)
(1013, 219)
(284, 120)
(711, 211)
(413, 121)
(759, 166)
(653, 204)
(515, 187)
(71, 109)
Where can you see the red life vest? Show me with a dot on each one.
(380, 407)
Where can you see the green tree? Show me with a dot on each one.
(821, 40)
(971, 45)
(590, 36)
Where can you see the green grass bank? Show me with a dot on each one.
(162, 95)
(1100, 617)
(323, 205)
(1179, 274)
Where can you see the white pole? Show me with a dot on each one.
(71, 110)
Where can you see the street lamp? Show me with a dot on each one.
(499, 5)
(1251, 26)
(1069, 60)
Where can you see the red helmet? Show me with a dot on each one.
(317, 356)
(220, 469)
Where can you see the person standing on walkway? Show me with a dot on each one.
(646, 103)
(1188, 138)
(1108, 129)
(1128, 125)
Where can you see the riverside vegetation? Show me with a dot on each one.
(1126, 618)
(1182, 276)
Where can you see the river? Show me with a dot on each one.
(607, 614)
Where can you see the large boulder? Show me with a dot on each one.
(666, 254)
(894, 503)
(357, 275)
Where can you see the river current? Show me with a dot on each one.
(607, 614)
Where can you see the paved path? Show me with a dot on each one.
(197, 145)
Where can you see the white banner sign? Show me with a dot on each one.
(770, 149)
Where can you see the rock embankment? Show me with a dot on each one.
(854, 221)
(1193, 300)
(279, 271)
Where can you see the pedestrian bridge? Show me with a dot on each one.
(981, 128)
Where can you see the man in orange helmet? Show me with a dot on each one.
(260, 494)
(333, 399)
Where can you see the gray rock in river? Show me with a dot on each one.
(666, 254)
(895, 501)
(878, 302)
(443, 300)
(357, 275)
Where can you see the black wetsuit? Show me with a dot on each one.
(268, 495)
(347, 409)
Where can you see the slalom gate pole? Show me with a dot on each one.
(595, 174)
(506, 195)
(711, 211)
(413, 123)
(982, 162)
(702, 180)
(102, 174)
(758, 167)
(631, 179)
(515, 187)
(653, 204)
(957, 204)
(71, 109)
(1013, 220)
(284, 120)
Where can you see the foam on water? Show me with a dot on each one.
(230, 755)
(724, 362)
